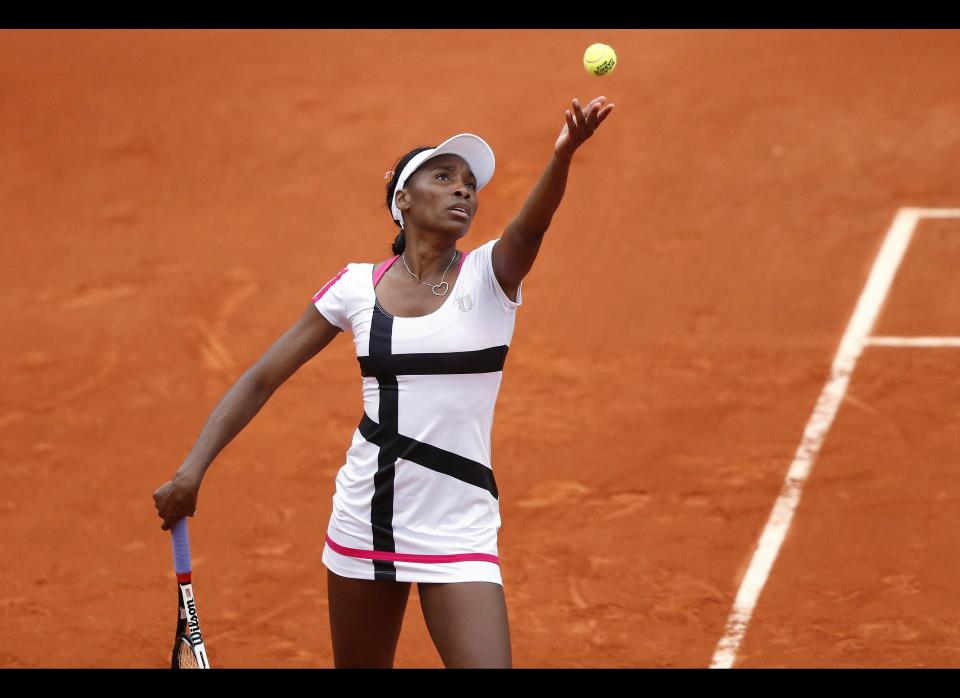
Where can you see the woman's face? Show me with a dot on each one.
(441, 194)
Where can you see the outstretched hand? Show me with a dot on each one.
(580, 126)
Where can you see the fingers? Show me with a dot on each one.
(579, 125)
(604, 113)
(166, 522)
(585, 123)
(595, 103)
(592, 111)
(578, 112)
(169, 521)
(589, 120)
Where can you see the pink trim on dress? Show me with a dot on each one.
(383, 270)
(462, 260)
(326, 286)
(408, 557)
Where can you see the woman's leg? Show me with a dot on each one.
(468, 623)
(365, 620)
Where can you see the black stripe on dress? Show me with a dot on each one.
(381, 506)
(432, 457)
(441, 363)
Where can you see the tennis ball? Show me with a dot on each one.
(599, 59)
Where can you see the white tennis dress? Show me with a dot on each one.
(416, 500)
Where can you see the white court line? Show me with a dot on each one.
(913, 341)
(858, 330)
(930, 212)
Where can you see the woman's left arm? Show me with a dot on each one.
(514, 253)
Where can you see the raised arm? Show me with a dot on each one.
(514, 253)
(311, 333)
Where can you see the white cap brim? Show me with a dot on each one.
(473, 149)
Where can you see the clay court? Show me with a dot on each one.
(171, 200)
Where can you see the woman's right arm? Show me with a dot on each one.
(304, 340)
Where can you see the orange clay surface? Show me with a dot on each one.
(171, 200)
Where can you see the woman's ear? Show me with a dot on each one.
(402, 199)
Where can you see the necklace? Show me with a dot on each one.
(433, 286)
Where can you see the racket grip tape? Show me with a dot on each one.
(181, 547)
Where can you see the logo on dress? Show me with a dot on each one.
(465, 302)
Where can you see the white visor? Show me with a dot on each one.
(471, 148)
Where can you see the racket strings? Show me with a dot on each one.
(186, 659)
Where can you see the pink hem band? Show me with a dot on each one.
(407, 557)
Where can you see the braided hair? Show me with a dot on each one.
(400, 242)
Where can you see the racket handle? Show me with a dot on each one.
(181, 547)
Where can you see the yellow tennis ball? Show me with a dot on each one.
(599, 59)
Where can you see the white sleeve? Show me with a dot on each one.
(330, 300)
(484, 265)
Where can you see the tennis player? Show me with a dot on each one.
(416, 499)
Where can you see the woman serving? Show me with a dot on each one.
(416, 500)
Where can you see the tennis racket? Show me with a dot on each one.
(188, 649)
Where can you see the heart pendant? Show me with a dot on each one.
(442, 283)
